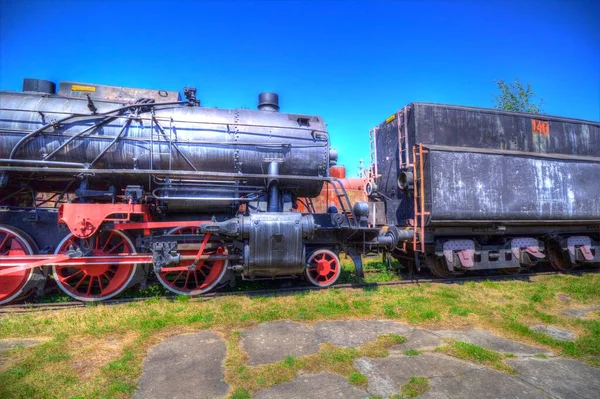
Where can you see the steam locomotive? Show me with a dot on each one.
(101, 186)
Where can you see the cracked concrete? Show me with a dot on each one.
(562, 378)
(491, 341)
(192, 365)
(553, 332)
(387, 375)
(315, 386)
(272, 342)
(185, 366)
(352, 333)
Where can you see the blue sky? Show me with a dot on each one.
(354, 63)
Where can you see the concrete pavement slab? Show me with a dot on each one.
(562, 378)
(353, 333)
(579, 313)
(314, 386)
(419, 340)
(480, 384)
(272, 342)
(387, 375)
(554, 332)
(8, 344)
(491, 341)
(184, 366)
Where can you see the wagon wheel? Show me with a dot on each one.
(323, 268)
(557, 260)
(14, 242)
(510, 271)
(96, 282)
(208, 273)
(438, 267)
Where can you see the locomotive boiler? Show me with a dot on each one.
(101, 185)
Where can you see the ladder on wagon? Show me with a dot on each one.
(419, 198)
(403, 146)
(372, 172)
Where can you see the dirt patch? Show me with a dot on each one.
(89, 354)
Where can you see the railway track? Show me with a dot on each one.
(415, 280)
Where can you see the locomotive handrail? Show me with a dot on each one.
(183, 120)
(107, 114)
(437, 147)
(187, 173)
(41, 162)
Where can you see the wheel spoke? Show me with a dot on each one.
(73, 275)
(91, 283)
(80, 281)
(115, 247)
(179, 275)
(107, 241)
(4, 241)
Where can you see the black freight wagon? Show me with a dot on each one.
(487, 189)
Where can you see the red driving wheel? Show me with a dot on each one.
(323, 268)
(14, 242)
(96, 282)
(205, 277)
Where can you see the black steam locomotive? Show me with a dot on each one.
(101, 184)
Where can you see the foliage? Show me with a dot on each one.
(516, 97)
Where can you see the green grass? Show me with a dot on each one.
(240, 375)
(414, 387)
(240, 393)
(122, 334)
(476, 354)
(356, 378)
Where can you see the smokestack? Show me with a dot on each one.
(268, 102)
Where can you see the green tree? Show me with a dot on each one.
(516, 97)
